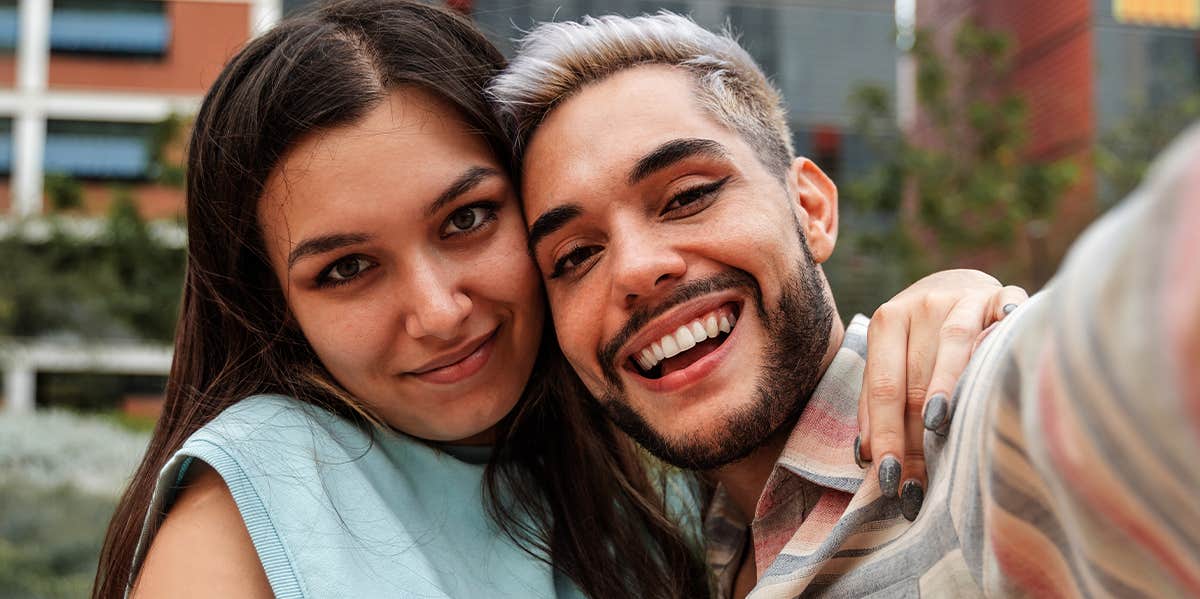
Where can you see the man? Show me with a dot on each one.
(681, 242)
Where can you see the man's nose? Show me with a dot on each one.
(436, 305)
(644, 266)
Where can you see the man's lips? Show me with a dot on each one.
(460, 363)
(693, 369)
(680, 316)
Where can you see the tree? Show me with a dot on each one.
(1126, 151)
(958, 191)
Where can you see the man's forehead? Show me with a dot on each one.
(598, 133)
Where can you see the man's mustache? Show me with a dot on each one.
(731, 279)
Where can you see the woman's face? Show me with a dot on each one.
(399, 244)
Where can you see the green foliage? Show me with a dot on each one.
(64, 191)
(166, 133)
(1126, 151)
(60, 474)
(50, 540)
(122, 283)
(960, 189)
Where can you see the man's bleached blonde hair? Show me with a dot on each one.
(556, 60)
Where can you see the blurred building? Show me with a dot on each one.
(1085, 67)
(817, 52)
(86, 84)
(90, 92)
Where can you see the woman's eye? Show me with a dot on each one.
(345, 270)
(695, 194)
(468, 218)
(573, 260)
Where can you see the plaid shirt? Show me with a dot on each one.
(1072, 465)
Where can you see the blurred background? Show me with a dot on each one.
(979, 133)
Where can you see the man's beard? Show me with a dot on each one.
(797, 340)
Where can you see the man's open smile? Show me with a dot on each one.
(683, 345)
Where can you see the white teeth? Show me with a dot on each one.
(670, 348)
(647, 359)
(683, 336)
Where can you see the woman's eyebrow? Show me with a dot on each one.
(324, 243)
(465, 182)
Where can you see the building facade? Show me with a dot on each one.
(84, 84)
(1085, 67)
(816, 51)
(86, 90)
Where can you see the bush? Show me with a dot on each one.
(60, 474)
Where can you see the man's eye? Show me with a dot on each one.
(344, 270)
(573, 260)
(695, 194)
(469, 218)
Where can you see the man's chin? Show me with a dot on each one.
(696, 440)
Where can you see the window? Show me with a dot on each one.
(93, 150)
(6, 146)
(8, 25)
(129, 27)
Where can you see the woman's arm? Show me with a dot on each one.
(202, 548)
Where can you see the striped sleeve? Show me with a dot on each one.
(1091, 473)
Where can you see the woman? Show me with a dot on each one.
(358, 331)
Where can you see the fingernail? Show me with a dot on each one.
(1009, 308)
(911, 499)
(935, 412)
(858, 459)
(889, 476)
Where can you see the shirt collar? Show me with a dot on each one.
(820, 448)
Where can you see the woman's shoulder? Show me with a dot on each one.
(202, 548)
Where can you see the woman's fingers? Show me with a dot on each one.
(885, 387)
(923, 349)
(862, 443)
(1006, 301)
(956, 338)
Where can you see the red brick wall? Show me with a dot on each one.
(1053, 69)
(203, 36)
(8, 69)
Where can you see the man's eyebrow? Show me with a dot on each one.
(672, 152)
(464, 183)
(551, 221)
(322, 244)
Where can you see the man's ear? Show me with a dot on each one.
(816, 200)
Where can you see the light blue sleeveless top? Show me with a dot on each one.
(333, 514)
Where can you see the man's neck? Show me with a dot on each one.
(745, 479)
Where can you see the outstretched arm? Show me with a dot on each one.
(1089, 472)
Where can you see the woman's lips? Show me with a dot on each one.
(469, 365)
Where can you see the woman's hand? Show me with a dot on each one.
(918, 345)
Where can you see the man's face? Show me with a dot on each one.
(683, 289)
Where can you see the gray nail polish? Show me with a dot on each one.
(911, 499)
(1008, 308)
(858, 459)
(889, 476)
(935, 412)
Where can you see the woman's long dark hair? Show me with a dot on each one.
(562, 482)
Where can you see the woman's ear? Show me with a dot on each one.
(816, 199)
